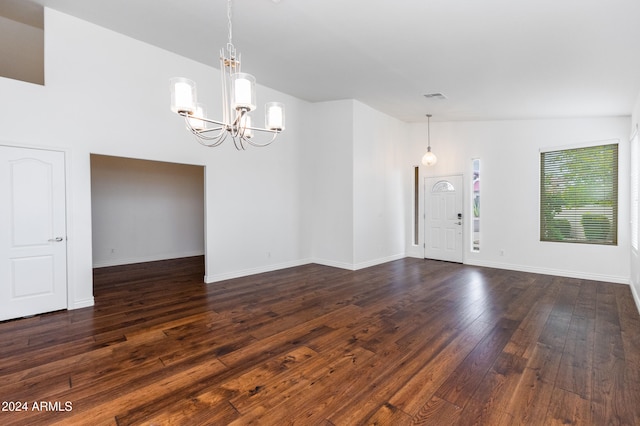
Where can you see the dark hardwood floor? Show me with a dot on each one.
(408, 342)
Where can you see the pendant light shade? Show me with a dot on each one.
(429, 159)
(183, 96)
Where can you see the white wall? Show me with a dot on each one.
(306, 197)
(509, 154)
(108, 94)
(378, 187)
(145, 210)
(22, 51)
(635, 256)
(329, 165)
(356, 195)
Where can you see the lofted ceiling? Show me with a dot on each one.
(492, 59)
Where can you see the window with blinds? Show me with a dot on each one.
(579, 195)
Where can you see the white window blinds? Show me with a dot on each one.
(579, 195)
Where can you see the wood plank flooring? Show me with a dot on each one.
(408, 342)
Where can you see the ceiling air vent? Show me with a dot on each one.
(438, 96)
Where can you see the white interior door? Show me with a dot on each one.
(443, 218)
(33, 243)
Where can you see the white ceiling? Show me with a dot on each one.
(492, 59)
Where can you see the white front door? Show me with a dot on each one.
(33, 242)
(443, 218)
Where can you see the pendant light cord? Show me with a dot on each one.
(230, 46)
(429, 132)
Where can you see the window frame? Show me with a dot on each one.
(565, 206)
(474, 214)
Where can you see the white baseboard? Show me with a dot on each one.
(209, 279)
(361, 265)
(148, 258)
(269, 268)
(415, 255)
(549, 271)
(379, 261)
(636, 297)
(84, 303)
(333, 264)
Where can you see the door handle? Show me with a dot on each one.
(56, 240)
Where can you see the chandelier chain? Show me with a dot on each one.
(230, 46)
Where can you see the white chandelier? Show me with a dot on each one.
(429, 159)
(238, 99)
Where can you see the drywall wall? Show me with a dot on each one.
(509, 154)
(329, 165)
(115, 101)
(145, 210)
(634, 255)
(293, 202)
(356, 189)
(22, 51)
(378, 187)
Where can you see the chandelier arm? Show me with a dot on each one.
(203, 142)
(238, 142)
(219, 136)
(212, 129)
(200, 133)
(208, 140)
(262, 129)
(236, 129)
(208, 120)
(261, 145)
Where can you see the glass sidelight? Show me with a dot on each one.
(475, 206)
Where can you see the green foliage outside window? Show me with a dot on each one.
(579, 195)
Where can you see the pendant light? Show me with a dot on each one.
(429, 159)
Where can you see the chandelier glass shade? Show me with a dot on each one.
(238, 101)
(429, 159)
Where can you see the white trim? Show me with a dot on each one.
(86, 303)
(379, 261)
(636, 297)
(549, 271)
(142, 259)
(586, 144)
(32, 146)
(209, 279)
(414, 255)
(333, 264)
